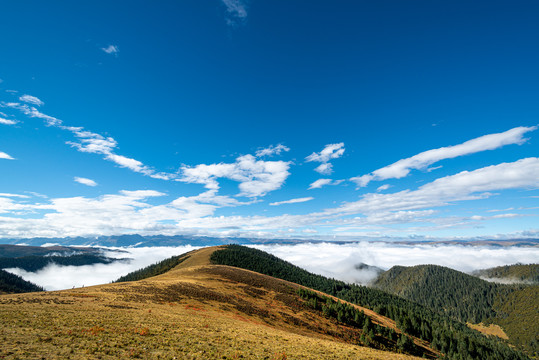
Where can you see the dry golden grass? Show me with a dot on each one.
(491, 330)
(195, 311)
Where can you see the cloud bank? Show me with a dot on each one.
(56, 277)
(339, 261)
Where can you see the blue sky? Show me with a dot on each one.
(346, 120)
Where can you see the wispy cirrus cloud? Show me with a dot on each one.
(7, 121)
(88, 141)
(85, 181)
(97, 144)
(111, 49)
(383, 187)
(323, 182)
(272, 150)
(236, 11)
(14, 195)
(330, 152)
(292, 201)
(466, 185)
(32, 112)
(31, 100)
(423, 160)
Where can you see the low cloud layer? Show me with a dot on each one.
(340, 261)
(56, 277)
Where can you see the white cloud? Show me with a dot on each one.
(272, 150)
(14, 195)
(319, 183)
(32, 112)
(31, 100)
(383, 187)
(292, 201)
(323, 182)
(403, 207)
(3, 155)
(236, 11)
(85, 181)
(466, 185)
(127, 212)
(256, 177)
(7, 121)
(324, 169)
(91, 142)
(97, 144)
(330, 152)
(423, 160)
(111, 49)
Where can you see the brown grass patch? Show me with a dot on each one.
(491, 330)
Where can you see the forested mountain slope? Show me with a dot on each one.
(459, 295)
(452, 338)
(12, 284)
(36, 263)
(469, 299)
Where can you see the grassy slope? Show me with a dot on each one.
(468, 298)
(196, 310)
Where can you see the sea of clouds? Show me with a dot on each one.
(339, 261)
(333, 260)
(57, 277)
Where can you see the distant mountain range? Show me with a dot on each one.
(136, 240)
